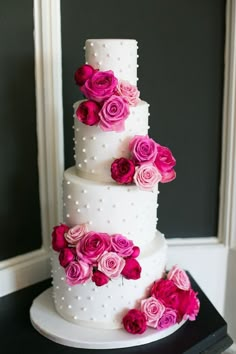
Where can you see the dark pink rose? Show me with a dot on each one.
(111, 264)
(132, 269)
(66, 256)
(135, 322)
(121, 245)
(168, 176)
(129, 92)
(167, 292)
(153, 310)
(136, 252)
(83, 73)
(164, 161)
(143, 149)
(113, 114)
(58, 239)
(122, 170)
(78, 272)
(147, 176)
(189, 305)
(100, 86)
(100, 278)
(92, 246)
(75, 233)
(87, 112)
(179, 278)
(169, 318)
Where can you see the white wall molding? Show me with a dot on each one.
(32, 267)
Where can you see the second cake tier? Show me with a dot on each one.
(110, 208)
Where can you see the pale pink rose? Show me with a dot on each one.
(121, 245)
(74, 234)
(143, 149)
(153, 310)
(100, 85)
(179, 278)
(111, 264)
(164, 161)
(146, 177)
(169, 318)
(129, 92)
(92, 246)
(113, 114)
(168, 176)
(78, 272)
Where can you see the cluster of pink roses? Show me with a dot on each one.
(148, 164)
(94, 256)
(108, 99)
(171, 300)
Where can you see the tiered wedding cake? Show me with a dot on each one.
(107, 253)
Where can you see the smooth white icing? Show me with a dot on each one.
(95, 149)
(109, 207)
(118, 55)
(104, 307)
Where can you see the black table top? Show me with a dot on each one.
(208, 334)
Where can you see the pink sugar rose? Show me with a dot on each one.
(168, 176)
(78, 272)
(167, 292)
(100, 86)
(66, 256)
(100, 278)
(87, 112)
(189, 305)
(179, 278)
(132, 269)
(135, 322)
(58, 239)
(129, 92)
(153, 310)
(83, 73)
(136, 252)
(168, 319)
(92, 246)
(111, 264)
(143, 149)
(122, 170)
(113, 114)
(146, 177)
(121, 245)
(75, 233)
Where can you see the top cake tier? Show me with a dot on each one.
(118, 55)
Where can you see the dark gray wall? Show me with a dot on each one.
(181, 51)
(19, 197)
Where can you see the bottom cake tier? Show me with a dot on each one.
(104, 307)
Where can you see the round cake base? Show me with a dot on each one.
(50, 324)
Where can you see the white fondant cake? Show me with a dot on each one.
(92, 197)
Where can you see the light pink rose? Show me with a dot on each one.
(169, 318)
(146, 177)
(74, 234)
(168, 176)
(153, 310)
(113, 114)
(179, 278)
(111, 264)
(121, 245)
(92, 246)
(100, 85)
(129, 92)
(78, 272)
(143, 149)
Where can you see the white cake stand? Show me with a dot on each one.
(50, 324)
